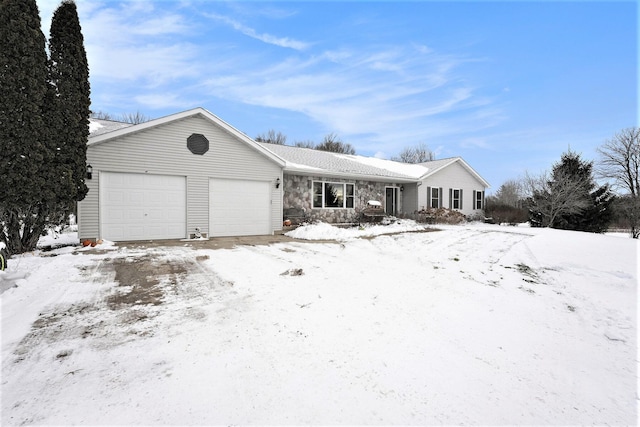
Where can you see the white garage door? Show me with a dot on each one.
(239, 208)
(142, 206)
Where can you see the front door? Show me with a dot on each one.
(391, 201)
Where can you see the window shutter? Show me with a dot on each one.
(428, 197)
(451, 198)
(475, 202)
(440, 197)
(483, 200)
(461, 199)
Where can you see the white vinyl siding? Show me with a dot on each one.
(453, 176)
(197, 204)
(162, 150)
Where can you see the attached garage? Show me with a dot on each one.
(177, 177)
(239, 207)
(142, 206)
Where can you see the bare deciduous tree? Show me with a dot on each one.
(620, 161)
(332, 143)
(554, 196)
(133, 118)
(305, 144)
(510, 193)
(101, 115)
(272, 137)
(418, 154)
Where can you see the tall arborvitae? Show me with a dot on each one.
(68, 108)
(23, 83)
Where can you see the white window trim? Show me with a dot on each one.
(454, 198)
(438, 199)
(344, 192)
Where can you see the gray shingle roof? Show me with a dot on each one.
(306, 160)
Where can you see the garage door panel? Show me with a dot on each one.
(174, 215)
(138, 206)
(239, 208)
(134, 198)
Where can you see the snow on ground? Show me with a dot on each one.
(324, 231)
(473, 324)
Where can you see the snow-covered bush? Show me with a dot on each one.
(439, 216)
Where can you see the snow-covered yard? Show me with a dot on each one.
(473, 324)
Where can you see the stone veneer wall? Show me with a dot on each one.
(298, 193)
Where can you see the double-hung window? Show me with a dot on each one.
(333, 195)
(435, 201)
(455, 198)
(478, 199)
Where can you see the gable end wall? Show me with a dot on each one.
(162, 150)
(453, 176)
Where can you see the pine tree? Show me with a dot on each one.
(68, 111)
(596, 213)
(23, 84)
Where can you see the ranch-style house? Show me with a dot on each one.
(192, 174)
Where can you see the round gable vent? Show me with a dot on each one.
(198, 144)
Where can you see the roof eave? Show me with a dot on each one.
(355, 176)
(464, 165)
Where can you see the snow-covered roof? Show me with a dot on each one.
(100, 126)
(310, 161)
(299, 160)
(314, 162)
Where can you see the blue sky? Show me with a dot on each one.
(509, 86)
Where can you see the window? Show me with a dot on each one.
(434, 203)
(455, 198)
(333, 195)
(478, 199)
(434, 197)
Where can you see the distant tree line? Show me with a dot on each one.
(331, 142)
(569, 198)
(44, 112)
(133, 118)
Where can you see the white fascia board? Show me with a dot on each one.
(473, 172)
(464, 165)
(433, 171)
(143, 126)
(243, 137)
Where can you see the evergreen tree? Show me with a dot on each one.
(23, 84)
(596, 213)
(67, 112)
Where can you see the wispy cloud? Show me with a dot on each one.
(264, 37)
(152, 56)
(137, 43)
(349, 92)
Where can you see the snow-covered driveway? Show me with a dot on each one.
(469, 325)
